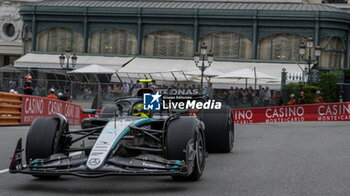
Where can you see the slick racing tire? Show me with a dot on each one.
(42, 141)
(183, 134)
(219, 129)
(108, 111)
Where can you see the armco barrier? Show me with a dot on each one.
(34, 107)
(295, 113)
(10, 109)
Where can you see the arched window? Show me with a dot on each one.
(113, 41)
(167, 43)
(59, 40)
(228, 45)
(332, 52)
(280, 47)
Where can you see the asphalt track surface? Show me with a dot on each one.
(310, 158)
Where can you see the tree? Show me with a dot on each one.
(328, 84)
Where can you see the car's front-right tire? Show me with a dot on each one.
(43, 140)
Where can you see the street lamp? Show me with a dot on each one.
(68, 56)
(309, 60)
(204, 56)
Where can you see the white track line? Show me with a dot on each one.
(4, 171)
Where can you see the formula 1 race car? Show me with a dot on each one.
(126, 142)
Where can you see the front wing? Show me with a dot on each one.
(61, 164)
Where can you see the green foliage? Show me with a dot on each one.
(328, 84)
(291, 88)
(295, 88)
(310, 92)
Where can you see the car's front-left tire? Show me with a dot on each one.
(183, 138)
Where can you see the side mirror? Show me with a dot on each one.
(89, 111)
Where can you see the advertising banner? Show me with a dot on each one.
(295, 113)
(34, 107)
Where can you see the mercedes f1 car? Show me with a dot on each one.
(163, 143)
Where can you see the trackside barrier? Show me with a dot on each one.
(34, 107)
(296, 113)
(10, 109)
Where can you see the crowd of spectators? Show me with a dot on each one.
(234, 96)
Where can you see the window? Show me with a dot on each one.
(228, 45)
(280, 47)
(113, 41)
(9, 29)
(59, 40)
(167, 43)
(332, 54)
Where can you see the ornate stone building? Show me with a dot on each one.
(235, 31)
(11, 24)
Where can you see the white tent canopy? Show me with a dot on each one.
(94, 69)
(51, 61)
(166, 69)
(210, 72)
(158, 69)
(247, 73)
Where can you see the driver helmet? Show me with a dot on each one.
(292, 96)
(318, 92)
(52, 90)
(138, 110)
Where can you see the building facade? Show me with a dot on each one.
(11, 24)
(234, 31)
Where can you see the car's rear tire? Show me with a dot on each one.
(43, 140)
(219, 129)
(180, 134)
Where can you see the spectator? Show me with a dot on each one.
(27, 87)
(60, 96)
(318, 98)
(210, 91)
(42, 91)
(301, 99)
(267, 96)
(66, 96)
(261, 94)
(292, 100)
(131, 87)
(109, 89)
(245, 96)
(52, 94)
(250, 94)
(12, 84)
(126, 88)
(136, 88)
(36, 91)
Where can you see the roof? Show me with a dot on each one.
(51, 61)
(221, 5)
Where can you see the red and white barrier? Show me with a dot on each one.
(295, 113)
(34, 107)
